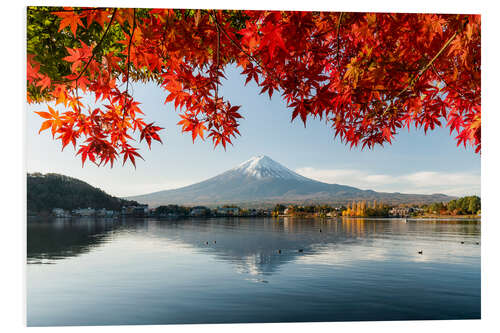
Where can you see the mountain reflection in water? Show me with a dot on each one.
(360, 261)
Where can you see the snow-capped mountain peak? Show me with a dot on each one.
(262, 166)
(262, 180)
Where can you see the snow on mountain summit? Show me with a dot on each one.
(262, 166)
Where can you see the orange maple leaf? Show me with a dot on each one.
(70, 18)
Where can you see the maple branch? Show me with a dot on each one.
(128, 51)
(97, 47)
(429, 64)
(237, 45)
(338, 41)
(218, 46)
(128, 65)
(90, 60)
(446, 83)
(414, 80)
(321, 34)
(249, 56)
(41, 9)
(164, 51)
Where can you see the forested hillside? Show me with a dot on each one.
(51, 190)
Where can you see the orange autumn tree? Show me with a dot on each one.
(366, 74)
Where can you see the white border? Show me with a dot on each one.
(13, 236)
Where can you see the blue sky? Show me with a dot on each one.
(414, 163)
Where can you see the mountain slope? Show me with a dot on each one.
(261, 179)
(52, 190)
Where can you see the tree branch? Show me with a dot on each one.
(338, 40)
(128, 66)
(237, 45)
(97, 47)
(218, 46)
(414, 80)
(446, 83)
(249, 56)
(41, 9)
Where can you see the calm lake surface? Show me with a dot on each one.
(105, 272)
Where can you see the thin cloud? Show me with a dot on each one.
(424, 182)
(126, 190)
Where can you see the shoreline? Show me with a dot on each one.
(339, 218)
(415, 218)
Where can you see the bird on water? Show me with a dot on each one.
(420, 252)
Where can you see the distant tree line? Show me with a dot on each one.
(354, 208)
(172, 209)
(45, 192)
(469, 205)
(301, 210)
(184, 211)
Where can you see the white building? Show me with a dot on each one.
(84, 211)
(104, 213)
(59, 212)
(232, 211)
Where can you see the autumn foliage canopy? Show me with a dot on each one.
(367, 75)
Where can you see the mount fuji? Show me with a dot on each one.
(261, 180)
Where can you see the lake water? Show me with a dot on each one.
(105, 272)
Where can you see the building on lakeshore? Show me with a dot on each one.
(227, 211)
(253, 212)
(333, 213)
(84, 212)
(141, 210)
(105, 212)
(199, 211)
(404, 211)
(136, 210)
(264, 212)
(59, 212)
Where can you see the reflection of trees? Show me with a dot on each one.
(61, 238)
(249, 244)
